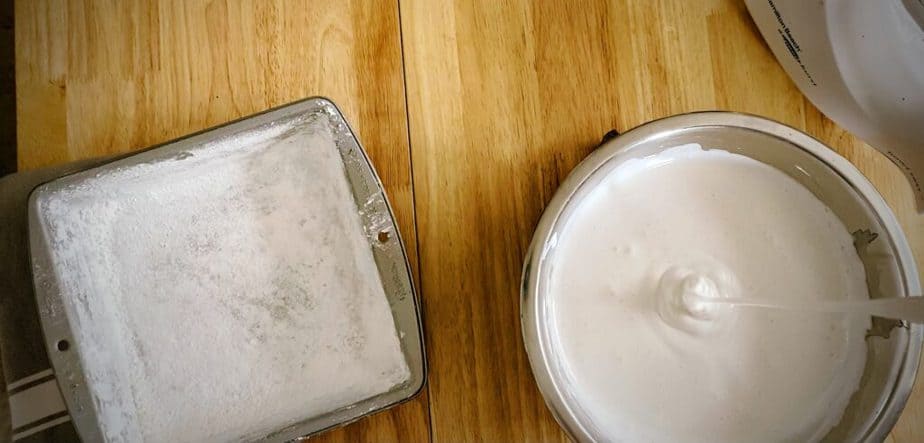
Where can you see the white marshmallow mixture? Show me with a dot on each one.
(645, 354)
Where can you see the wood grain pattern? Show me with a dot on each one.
(104, 77)
(504, 98)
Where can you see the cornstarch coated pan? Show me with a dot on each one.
(63, 349)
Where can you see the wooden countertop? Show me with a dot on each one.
(472, 111)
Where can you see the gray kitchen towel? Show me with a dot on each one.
(36, 410)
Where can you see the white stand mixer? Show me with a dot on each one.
(860, 62)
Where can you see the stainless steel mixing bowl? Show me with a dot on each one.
(893, 346)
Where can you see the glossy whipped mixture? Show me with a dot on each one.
(645, 354)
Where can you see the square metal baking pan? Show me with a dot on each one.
(377, 218)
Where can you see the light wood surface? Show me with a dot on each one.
(502, 99)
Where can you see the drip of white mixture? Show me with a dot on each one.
(224, 294)
(648, 358)
(681, 292)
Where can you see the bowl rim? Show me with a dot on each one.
(533, 327)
